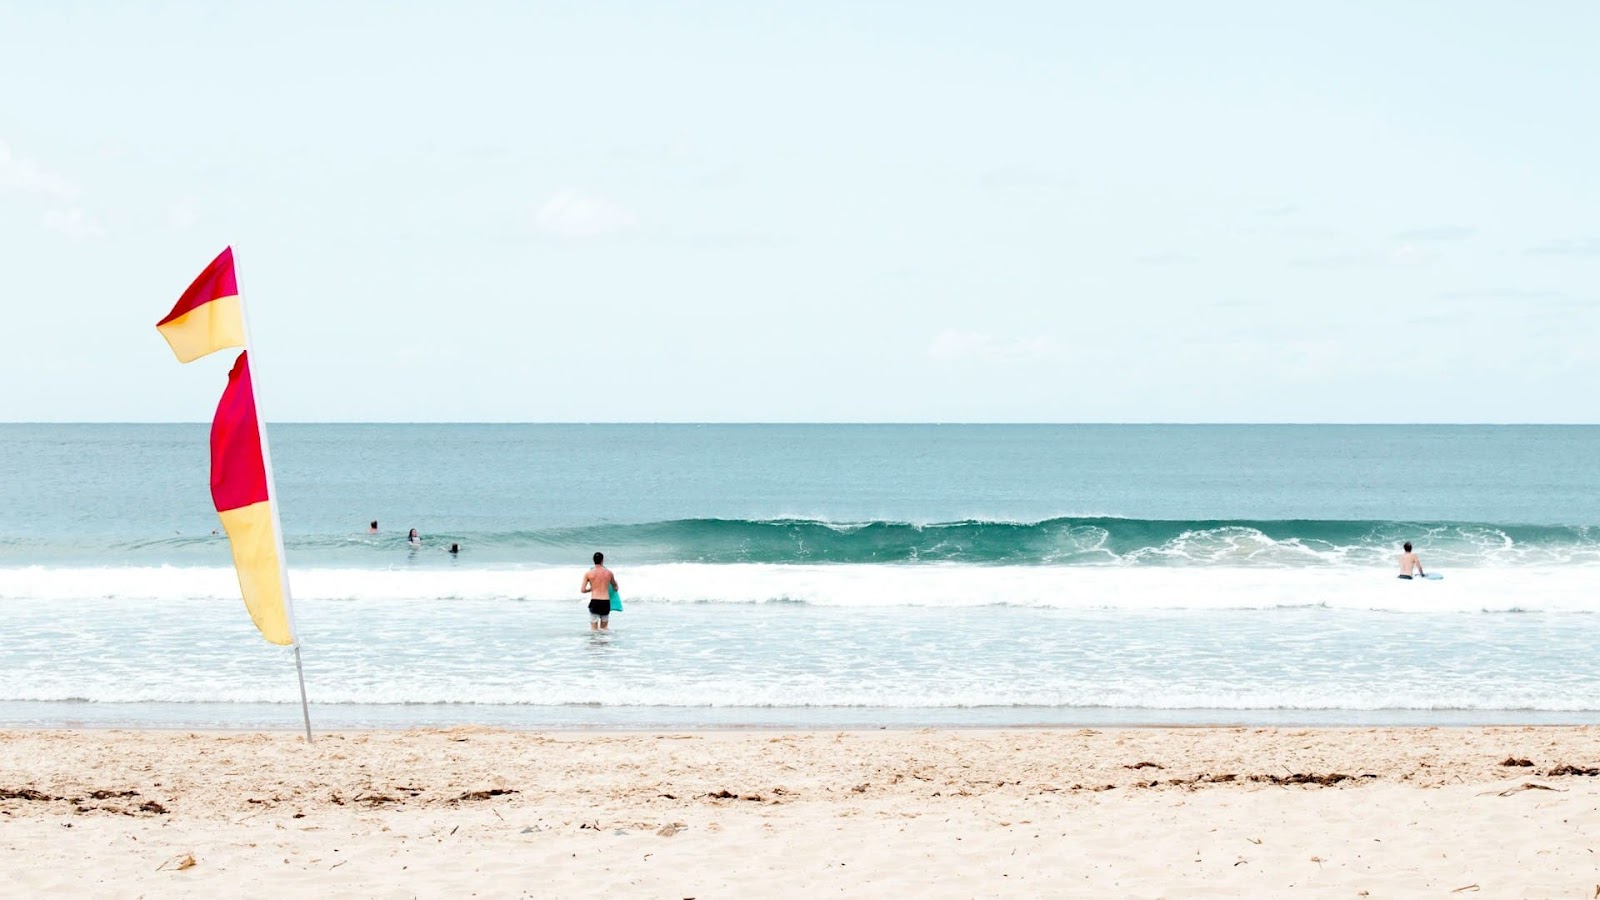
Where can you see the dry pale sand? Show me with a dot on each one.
(1205, 812)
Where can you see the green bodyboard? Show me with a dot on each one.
(616, 600)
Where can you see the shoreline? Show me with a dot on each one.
(298, 730)
(284, 717)
(946, 812)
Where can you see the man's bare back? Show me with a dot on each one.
(1410, 563)
(598, 581)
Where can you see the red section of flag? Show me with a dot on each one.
(238, 477)
(216, 281)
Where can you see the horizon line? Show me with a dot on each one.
(836, 423)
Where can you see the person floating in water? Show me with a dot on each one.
(597, 583)
(413, 537)
(1409, 563)
(373, 528)
(455, 548)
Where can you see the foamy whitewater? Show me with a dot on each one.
(826, 575)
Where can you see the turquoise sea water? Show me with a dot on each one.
(814, 575)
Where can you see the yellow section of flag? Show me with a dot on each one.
(215, 325)
(255, 556)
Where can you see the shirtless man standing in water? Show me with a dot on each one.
(597, 583)
(1410, 562)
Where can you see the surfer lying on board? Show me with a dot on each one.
(597, 583)
(1410, 562)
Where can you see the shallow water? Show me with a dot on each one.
(814, 575)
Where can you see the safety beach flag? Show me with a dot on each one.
(207, 318)
(239, 491)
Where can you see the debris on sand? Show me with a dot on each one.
(178, 863)
(484, 795)
(1525, 786)
(1573, 770)
(1328, 780)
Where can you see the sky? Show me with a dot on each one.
(831, 212)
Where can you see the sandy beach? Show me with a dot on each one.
(1203, 812)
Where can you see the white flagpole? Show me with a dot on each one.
(272, 502)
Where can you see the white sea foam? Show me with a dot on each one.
(735, 695)
(903, 637)
(1570, 588)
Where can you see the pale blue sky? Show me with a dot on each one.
(815, 212)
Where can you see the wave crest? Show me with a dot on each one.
(1062, 541)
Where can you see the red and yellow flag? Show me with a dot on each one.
(239, 491)
(207, 317)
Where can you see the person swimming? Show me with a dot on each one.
(413, 537)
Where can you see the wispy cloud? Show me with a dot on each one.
(1588, 246)
(1408, 255)
(28, 177)
(1297, 229)
(1402, 255)
(735, 239)
(1018, 178)
(1525, 301)
(1501, 294)
(1438, 233)
(1166, 258)
(1332, 261)
(570, 213)
(954, 345)
(74, 223)
(24, 176)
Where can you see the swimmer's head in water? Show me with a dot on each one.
(599, 557)
(1408, 546)
(374, 525)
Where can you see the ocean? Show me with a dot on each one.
(814, 576)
